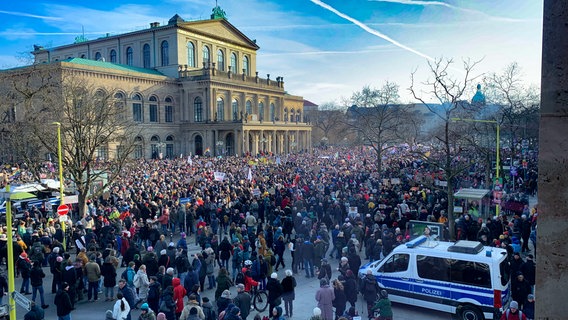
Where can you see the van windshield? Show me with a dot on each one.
(505, 272)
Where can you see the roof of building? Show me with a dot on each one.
(110, 65)
(308, 103)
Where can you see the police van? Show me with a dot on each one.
(463, 278)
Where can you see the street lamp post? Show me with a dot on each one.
(60, 161)
(497, 152)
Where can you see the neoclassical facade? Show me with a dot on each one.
(192, 87)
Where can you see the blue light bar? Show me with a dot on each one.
(416, 242)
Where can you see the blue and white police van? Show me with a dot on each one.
(463, 278)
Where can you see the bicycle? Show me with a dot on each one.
(259, 299)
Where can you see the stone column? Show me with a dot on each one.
(552, 255)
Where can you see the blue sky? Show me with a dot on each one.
(324, 49)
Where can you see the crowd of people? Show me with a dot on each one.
(327, 208)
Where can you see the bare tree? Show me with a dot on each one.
(329, 123)
(379, 120)
(448, 145)
(92, 122)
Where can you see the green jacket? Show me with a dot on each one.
(223, 283)
(384, 307)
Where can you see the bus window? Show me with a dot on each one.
(470, 273)
(432, 268)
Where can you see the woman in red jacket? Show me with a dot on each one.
(179, 293)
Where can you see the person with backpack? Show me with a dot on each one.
(237, 259)
(208, 310)
(247, 279)
(369, 289)
(167, 303)
(54, 268)
(142, 283)
(36, 277)
(513, 312)
(192, 303)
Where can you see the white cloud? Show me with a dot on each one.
(28, 15)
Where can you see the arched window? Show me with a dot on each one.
(261, 111)
(169, 110)
(235, 109)
(153, 106)
(113, 56)
(154, 145)
(190, 54)
(206, 55)
(98, 56)
(170, 147)
(272, 112)
(129, 56)
(119, 103)
(164, 49)
(298, 116)
(249, 107)
(234, 63)
(286, 114)
(146, 55)
(292, 115)
(220, 60)
(220, 116)
(137, 110)
(198, 110)
(246, 70)
(138, 148)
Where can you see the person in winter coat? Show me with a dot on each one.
(108, 271)
(24, 266)
(383, 305)
(277, 314)
(63, 302)
(528, 308)
(210, 268)
(350, 286)
(225, 249)
(128, 294)
(224, 300)
(121, 309)
(224, 282)
(192, 303)
(369, 288)
(142, 283)
(513, 313)
(243, 301)
(324, 271)
(35, 313)
(179, 294)
(167, 303)
(153, 294)
(36, 278)
(151, 261)
(325, 297)
(520, 289)
(340, 301)
(288, 293)
(344, 266)
(146, 313)
(275, 290)
(93, 273)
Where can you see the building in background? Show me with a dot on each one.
(192, 87)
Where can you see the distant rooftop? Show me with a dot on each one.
(110, 65)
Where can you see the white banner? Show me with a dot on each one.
(219, 176)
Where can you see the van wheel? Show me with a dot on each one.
(470, 313)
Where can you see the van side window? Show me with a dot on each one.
(433, 268)
(397, 263)
(471, 273)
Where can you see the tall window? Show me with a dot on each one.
(190, 54)
(261, 111)
(119, 105)
(286, 114)
(292, 115)
(246, 70)
(164, 48)
(102, 153)
(129, 56)
(220, 109)
(198, 110)
(98, 56)
(170, 147)
(220, 60)
(249, 107)
(113, 56)
(154, 142)
(234, 63)
(272, 112)
(138, 148)
(169, 110)
(146, 55)
(137, 111)
(206, 55)
(235, 109)
(298, 116)
(153, 106)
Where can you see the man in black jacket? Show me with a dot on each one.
(36, 279)
(63, 302)
(243, 301)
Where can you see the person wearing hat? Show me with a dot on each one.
(383, 306)
(24, 265)
(513, 313)
(63, 302)
(369, 288)
(192, 303)
(208, 309)
(243, 301)
(275, 290)
(528, 307)
(324, 272)
(146, 313)
(529, 270)
(224, 300)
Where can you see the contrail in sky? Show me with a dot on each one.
(23, 14)
(370, 30)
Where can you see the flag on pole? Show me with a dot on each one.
(249, 176)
